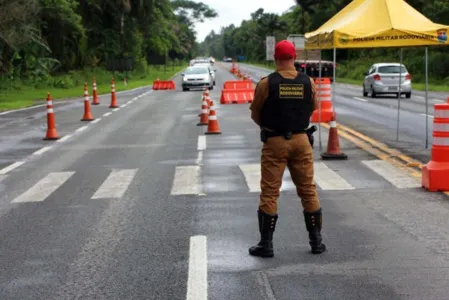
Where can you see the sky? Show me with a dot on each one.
(235, 11)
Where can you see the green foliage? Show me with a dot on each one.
(248, 39)
(40, 39)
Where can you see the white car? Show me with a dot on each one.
(197, 77)
(209, 66)
(383, 78)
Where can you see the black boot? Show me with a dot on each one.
(267, 224)
(313, 225)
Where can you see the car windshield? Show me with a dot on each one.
(202, 65)
(196, 71)
(391, 70)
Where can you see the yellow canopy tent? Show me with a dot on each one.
(376, 24)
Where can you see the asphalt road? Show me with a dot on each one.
(143, 205)
(378, 117)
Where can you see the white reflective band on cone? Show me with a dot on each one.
(333, 124)
(440, 141)
(50, 110)
(204, 102)
(325, 98)
(50, 102)
(212, 108)
(323, 86)
(441, 127)
(113, 90)
(86, 98)
(113, 86)
(323, 92)
(440, 113)
(212, 118)
(204, 111)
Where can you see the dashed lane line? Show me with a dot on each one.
(11, 167)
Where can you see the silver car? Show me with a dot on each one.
(383, 78)
(212, 70)
(197, 77)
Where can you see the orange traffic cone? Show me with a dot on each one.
(95, 93)
(213, 126)
(52, 134)
(113, 97)
(205, 98)
(87, 113)
(333, 144)
(204, 118)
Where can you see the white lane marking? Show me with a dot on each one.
(64, 138)
(44, 188)
(360, 99)
(42, 150)
(202, 142)
(11, 167)
(81, 128)
(3, 177)
(123, 105)
(199, 160)
(252, 174)
(430, 116)
(187, 181)
(134, 99)
(397, 177)
(107, 114)
(437, 101)
(328, 179)
(421, 97)
(116, 109)
(95, 121)
(197, 276)
(116, 184)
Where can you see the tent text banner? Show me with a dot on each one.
(393, 38)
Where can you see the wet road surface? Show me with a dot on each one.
(143, 205)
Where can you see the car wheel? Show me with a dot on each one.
(364, 92)
(373, 93)
(214, 83)
(184, 89)
(408, 95)
(211, 87)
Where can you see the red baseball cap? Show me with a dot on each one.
(284, 50)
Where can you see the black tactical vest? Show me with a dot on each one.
(289, 105)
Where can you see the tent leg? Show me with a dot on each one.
(319, 108)
(399, 97)
(334, 80)
(427, 99)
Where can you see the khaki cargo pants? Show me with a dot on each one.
(297, 155)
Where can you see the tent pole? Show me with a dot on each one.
(399, 97)
(319, 104)
(427, 99)
(334, 78)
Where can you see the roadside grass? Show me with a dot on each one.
(24, 96)
(419, 86)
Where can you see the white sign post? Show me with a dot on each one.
(270, 45)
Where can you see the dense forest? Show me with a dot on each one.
(43, 38)
(248, 39)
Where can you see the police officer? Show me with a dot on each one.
(283, 104)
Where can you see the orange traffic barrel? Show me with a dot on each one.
(435, 174)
